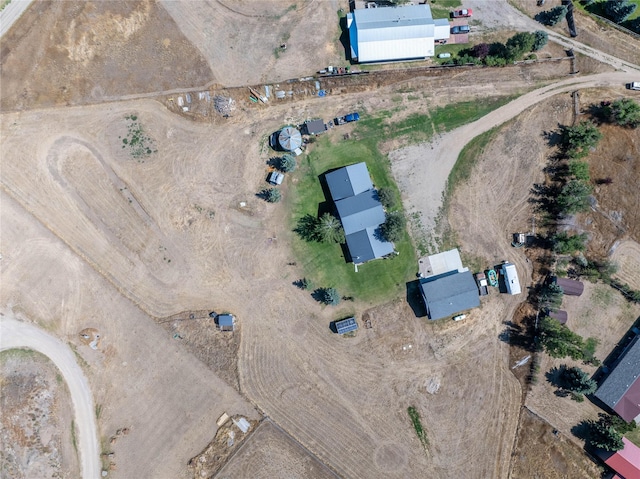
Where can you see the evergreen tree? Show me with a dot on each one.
(329, 229)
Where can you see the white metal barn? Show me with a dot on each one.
(394, 33)
(511, 280)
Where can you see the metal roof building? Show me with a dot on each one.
(621, 390)
(360, 212)
(570, 287)
(225, 322)
(626, 462)
(449, 293)
(349, 181)
(346, 325)
(315, 127)
(560, 316)
(289, 138)
(394, 33)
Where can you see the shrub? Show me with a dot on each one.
(624, 112)
(559, 341)
(519, 44)
(393, 227)
(551, 296)
(494, 61)
(552, 17)
(579, 170)
(540, 40)
(387, 198)
(578, 139)
(481, 50)
(287, 163)
(577, 381)
(603, 435)
(327, 296)
(270, 195)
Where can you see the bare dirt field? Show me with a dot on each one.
(36, 416)
(269, 453)
(541, 453)
(88, 52)
(241, 38)
(627, 257)
(170, 409)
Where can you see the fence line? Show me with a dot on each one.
(617, 26)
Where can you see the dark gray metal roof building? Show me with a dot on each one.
(570, 287)
(360, 212)
(314, 127)
(349, 181)
(560, 316)
(449, 293)
(621, 390)
(346, 325)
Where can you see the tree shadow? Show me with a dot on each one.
(414, 299)
(582, 430)
(555, 376)
(344, 39)
(274, 162)
(553, 137)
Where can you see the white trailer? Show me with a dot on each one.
(511, 278)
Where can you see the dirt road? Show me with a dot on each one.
(422, 194)
(16, 334)
(11, 13)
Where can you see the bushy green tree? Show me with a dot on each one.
(551, 296)
(393, 227)
(603, 435)
(271, 195)
(519, 44)
(540, 40)
(387, 198)
(328, 296)
(579, 170)
(624, 112)
(329, 229)
(552, 17)
(574, 197)
(564, 243)
(619, 10)
(287, 163)
(577, 381)
(578, 139)
(559, 341)
(307, 228)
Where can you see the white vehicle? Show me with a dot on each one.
(511, 280)
(460, 317)
(444, 55)
(634, 85)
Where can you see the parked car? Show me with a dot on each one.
(464, 12)
(444, 55)
(633, 85)
(460, 29)
(275, 178)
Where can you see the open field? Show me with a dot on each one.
(627, 257)
(88, 52)
(36, 414)
(548, 455)
(271, 453)
(240, 38)
(170, 409)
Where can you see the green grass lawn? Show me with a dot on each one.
(324, 264)
(634, 436)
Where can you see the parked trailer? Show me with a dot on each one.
(511, 280)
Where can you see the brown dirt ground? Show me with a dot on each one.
(239, 38)
(627, 257)
(270, 453)
(600, 36)
(37, 415)
(89, 52)
(541, 454)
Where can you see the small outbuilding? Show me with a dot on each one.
(346, 325)
(570, 287)
(449, 294)
(226, 322)
(287, 139)
(314, 127)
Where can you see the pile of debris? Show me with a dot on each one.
(224, 105)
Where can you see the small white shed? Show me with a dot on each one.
(511, 280)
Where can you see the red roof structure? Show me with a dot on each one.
(626, 462)
(628, 407)
(560, 316)
(570, 287)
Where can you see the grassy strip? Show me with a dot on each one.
(634, 436)
(417, 425)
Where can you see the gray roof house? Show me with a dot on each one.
(314, 127)
(449, 293)
(360, 212)
(621, 389)
(225, 322)
(394, 33)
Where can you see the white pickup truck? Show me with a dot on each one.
(634, 85)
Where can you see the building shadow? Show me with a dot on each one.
(414, 299)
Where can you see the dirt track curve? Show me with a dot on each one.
(16, 334)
